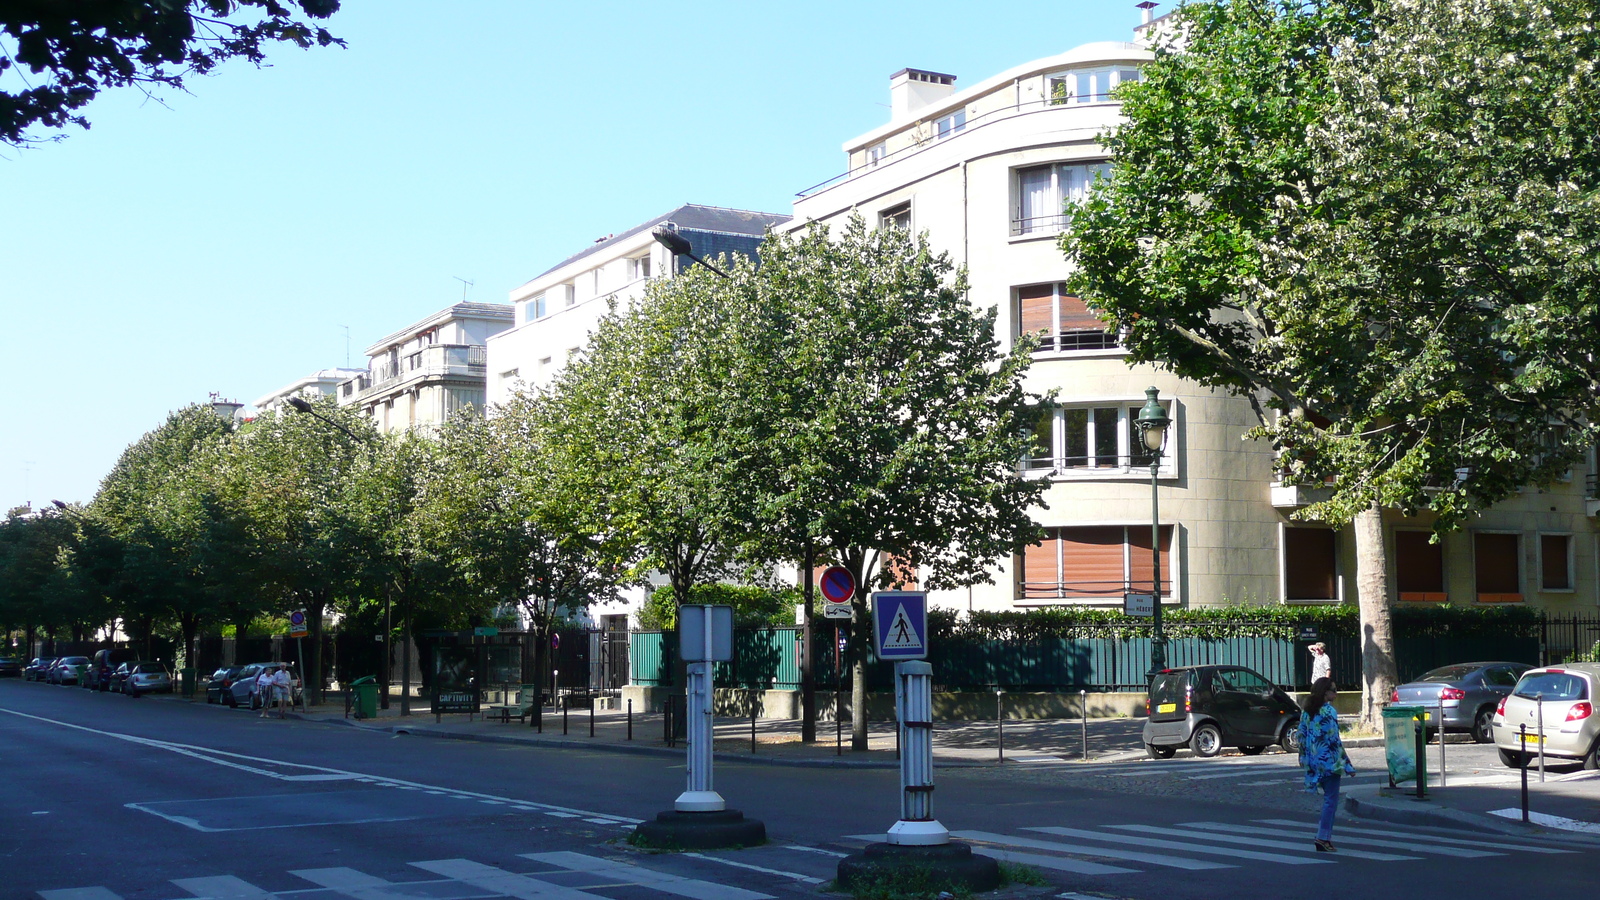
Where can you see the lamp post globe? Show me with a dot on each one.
(1153, 423)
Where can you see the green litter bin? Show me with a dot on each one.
(1401, 744)
(364, 697)
(187, 679)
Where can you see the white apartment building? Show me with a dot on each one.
(323, 383)
(421, 375)
(556, 311)
(985, 172)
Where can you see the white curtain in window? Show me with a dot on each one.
(1038, 207)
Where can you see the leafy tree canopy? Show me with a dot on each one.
(74, 49)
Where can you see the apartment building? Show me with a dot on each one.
(322, 383)
(421, 375)
(557, 309)
(986, 172)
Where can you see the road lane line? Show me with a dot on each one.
(500, 881)
(88, 893)
(1059, 863)
(1470, 842)
(1157, 859)
(223, 887)
(1239, 830)
(627, 873)
(353, 884)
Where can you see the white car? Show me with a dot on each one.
(1563, 698)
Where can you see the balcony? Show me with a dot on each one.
(1296, 496)
(438, 361)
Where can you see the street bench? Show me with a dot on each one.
(527, 696)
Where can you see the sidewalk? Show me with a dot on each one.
(1564, 808)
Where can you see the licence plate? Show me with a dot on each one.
(1167, 707)
(1532, 738)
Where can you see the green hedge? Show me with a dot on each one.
(1228, 622)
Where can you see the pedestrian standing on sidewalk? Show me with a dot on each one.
(281, 689)
(1321, 665)
(1322, 754)
(264, 690)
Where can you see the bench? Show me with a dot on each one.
(527, 696)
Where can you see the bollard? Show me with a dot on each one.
(914, 715)
(630, 718)
(1083, 700)
(1539, 699)
(1441, 739)
(1000, 724)
(591, 716)
(564, 706)
(1421, 725)
(538, 713)
(838, 724)
(1523, 736)
(752, 723)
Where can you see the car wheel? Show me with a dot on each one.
(1483, 726)
(1513, 758)
(1157, 751)
(230, 701)
(1289, 740)
(1254, 750)
(1591, 760)
(1206, 740)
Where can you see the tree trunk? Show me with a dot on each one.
(312, 676)
(1378, 673)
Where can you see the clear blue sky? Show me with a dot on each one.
(221, 240)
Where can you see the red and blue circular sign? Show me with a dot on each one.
(837, 584)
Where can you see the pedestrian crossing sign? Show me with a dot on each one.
(900, 624)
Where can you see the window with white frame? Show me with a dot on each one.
(1040, 194)
(876, 153)
(1092, 440)
(567, 294)
(536, 307)
(1555, 562)
(1310, 565)
(1062, 321)
(950, 125)
(639, 268)
(1093, 563)
(897, 216)
(1087, 85)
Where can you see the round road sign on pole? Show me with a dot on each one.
(837, 584)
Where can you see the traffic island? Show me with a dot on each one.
(710, 830)
(911, 869)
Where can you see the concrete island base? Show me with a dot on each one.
(674, 830)
(917, 869)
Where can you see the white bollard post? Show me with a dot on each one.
(700, 796)
(913, 700)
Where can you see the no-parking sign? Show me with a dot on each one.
(838, 587)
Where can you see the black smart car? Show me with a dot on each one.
(1207, 708)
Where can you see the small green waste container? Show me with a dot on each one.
(187, 679)
(364, 697)
(1401, 727)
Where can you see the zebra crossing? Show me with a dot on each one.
(1129, 848)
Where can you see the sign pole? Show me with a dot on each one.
(808, 679)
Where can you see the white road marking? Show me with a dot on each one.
(628, 874)
(1470, 842)
(739, 865)
(353, 884)
(1157, 859)
(1207, 829)
(1059, 863)
(1306, 831)
(1186, 845)
(500, 881)
(833, 853)
(222, 887)
(1549, 821)
(88, 893)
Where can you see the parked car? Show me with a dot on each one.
(1208, 708)
(1470, 691)
(220, 681)
(103, 665)
(244, 693)
(1567, 695)
(66, 670)
(35, 670)
(145, 677)
(10, 667)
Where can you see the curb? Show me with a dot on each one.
(1444, 817)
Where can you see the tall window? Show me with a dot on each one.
(1087, 85)
(1063, 321)
(1419, 567)
(1497, 566)
(1555, 562)
(1043, 192)
(1091, 439)
(638, 268)
(537, 307)
(1100, 562)
(1310, 564)
(950, 125)
(875, 153)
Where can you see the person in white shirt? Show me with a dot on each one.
(281, 684)
(1321, 665)
(264, 690)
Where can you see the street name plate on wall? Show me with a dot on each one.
(1139, 605)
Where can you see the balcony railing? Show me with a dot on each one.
(1077, 340)
(436, 361)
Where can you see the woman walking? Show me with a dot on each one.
(1322, 753)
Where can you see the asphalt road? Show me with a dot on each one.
(107, 797)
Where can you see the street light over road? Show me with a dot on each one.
(1153, 422)
(300, 404)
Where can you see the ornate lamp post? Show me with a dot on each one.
(1153, 422)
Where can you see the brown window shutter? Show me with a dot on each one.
(1310, 562)
(1075, 316)
(1418, 567)
(1553, 559)
(1091, 561)
(1494, 562)
(1041, 568)
(1139, 562)
(1035, 310)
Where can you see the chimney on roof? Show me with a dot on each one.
(1147, 6)
(912, 89)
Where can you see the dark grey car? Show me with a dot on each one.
(1207, 708)
(1470, 692)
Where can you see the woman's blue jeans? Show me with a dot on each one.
(1330, 805)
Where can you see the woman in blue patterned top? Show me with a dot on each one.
(1322, 753)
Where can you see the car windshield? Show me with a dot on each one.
(1553, 686)
(1448, 673)
(150, 669)
(1167, 687)
(75, 660)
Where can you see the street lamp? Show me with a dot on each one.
(300, 404)
(1153, 422)
(680, 246)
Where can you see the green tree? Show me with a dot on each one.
(73, 51)
(1286, 220)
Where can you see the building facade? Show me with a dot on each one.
(557, 310)
(324, 383)
(986, 172)
(420, 376)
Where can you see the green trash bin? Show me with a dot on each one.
(1400, 724)
(364, 697)
(187, 679)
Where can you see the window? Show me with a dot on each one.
(875, 153)
(1555, 562)
(1064, 322)
(1043, 192)
(1092, 439)
(1310, 565)
(949, 125)
(1100, 562)
(1419, 567)
(568, 293)
(1496, 567)
(898, 216)
(639, 268)
(1086, 86)
(537, 307)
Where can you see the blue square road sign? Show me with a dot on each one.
(900, 624)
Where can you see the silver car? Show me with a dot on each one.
(147, 678)
(1470, 691)
(1563, 699)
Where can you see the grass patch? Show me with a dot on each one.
(904, 884)
(640, 842)
(1017, 873)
